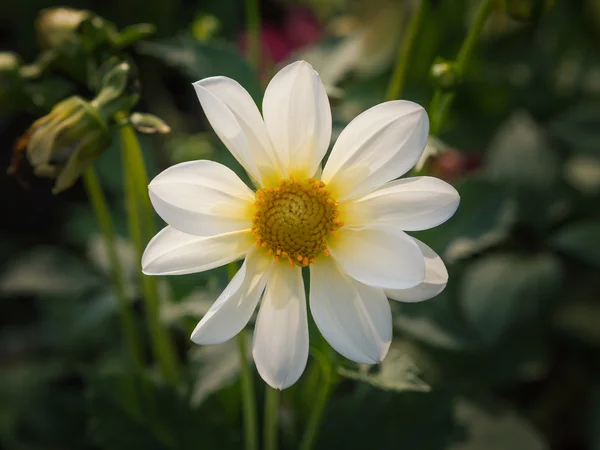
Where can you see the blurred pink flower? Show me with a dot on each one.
(301, 29)
(298, 29)
(452, 165)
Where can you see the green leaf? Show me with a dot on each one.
(498, 430)
(369, 418)
(396, 372)
(500, 291)
(46, 271)
(20, 388)
(133, 411)
(522, 357)
(578, 318)
(434, 322)
(579, 127)
(484, 218)
(134, 33)
(521, 157)
(197, 59)
(48, 91)
(520, 154)
(580, 240)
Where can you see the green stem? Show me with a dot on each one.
(248, 394)
(318, 408)
(394, 90)
(141, 220)
(441, 101)
(470, 42)
(253, 30)
(100, 206)
(271, 416)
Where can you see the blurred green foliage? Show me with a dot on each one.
(505, 358)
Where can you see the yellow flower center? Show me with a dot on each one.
(293, 220)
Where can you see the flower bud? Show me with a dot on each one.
(119, 90)
(444, 74)
(56, 27)
(62, 144)
(205, 27)
(148, 123)
(528, 10)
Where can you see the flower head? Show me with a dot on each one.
(345, 223)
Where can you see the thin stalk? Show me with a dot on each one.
(396, 85)
(248, 397)
(441, 101)
(248, 394)
(141, 219)
(102, 212)
(318, 408)
(271, 418)
(253, 32)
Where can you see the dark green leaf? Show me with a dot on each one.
(498, 430)
(521, 157)
(434, 322)
(197, 59)
(579, 127)
(580, 240)
(47, 271)
(134, 33)
(500, 291)
(483, 219)
(366, 418)
(130, 411)
(520, 154)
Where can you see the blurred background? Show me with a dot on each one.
(507, 357)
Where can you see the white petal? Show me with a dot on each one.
(202, 198)
(172, 252)
(379, 145)
(230, 313)
(248, 118)
(410, 204)
(280, 347)
(380, 256)
(436, 278)
(229, 130)
(354, 318)
(298, 117)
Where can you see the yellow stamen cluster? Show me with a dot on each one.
(293, 220)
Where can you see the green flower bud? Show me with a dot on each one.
(9, 62)
(56, 27)
(205, 27)
(62, 144)
(528, 10)
(148, 123)
(444, 74)
(119, 90)
(75, 41)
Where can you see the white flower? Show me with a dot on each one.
(346, 224)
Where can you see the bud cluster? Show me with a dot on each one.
(79, 51)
